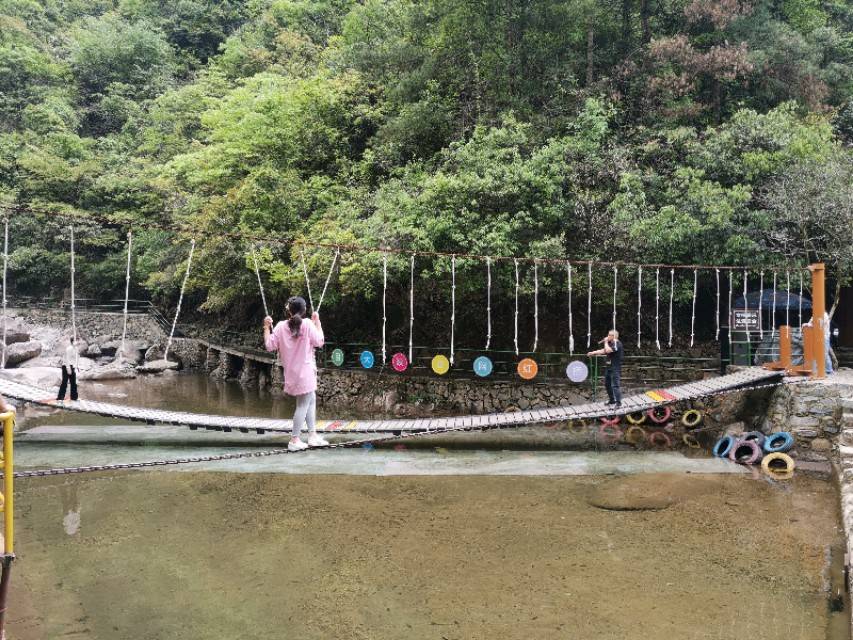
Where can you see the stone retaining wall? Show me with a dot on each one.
(95, 324)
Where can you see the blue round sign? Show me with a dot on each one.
(366, 358)
(483, 366)
(577, 371)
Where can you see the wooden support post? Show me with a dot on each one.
(784, 363)
(818, 321)
(8, 556)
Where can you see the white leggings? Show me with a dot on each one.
(306, 411)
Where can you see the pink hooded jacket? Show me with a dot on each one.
(297, 355)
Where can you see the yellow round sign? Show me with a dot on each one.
(528, 369)
(440, 365)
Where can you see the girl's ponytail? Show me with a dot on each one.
(295, 311)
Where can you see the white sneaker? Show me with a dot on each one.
(316, 440)
(296, 444)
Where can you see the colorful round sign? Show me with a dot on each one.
(528, 369)
(440, 365)
(483, 366)
(366, 359)
(337, 357)
(577, 371)
(399, 362)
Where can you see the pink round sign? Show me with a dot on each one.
(399, 362)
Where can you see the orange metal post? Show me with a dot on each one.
(784, 362)
(820, 328)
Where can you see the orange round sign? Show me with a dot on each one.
(528, 369)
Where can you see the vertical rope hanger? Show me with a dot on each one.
(615, 281)
(671, 297)
(745, 302)
(800, 302)
(693, 311)
(180, 301)
(535, 305)
(773, 313)
(571, 328)
(515, 338)
(488, 303)
(787, 297)
(589, 306)
(127, 292)
(639, 304)
(411, 305)
(260, 283)
(5, 268)
(729, 315)
(452, 308)
(761, 305)
(717, 323)
(73, 303)
(384, 308)
(657, 308)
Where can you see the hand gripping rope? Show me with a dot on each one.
(745, 302)
(589, 307)
(535, 305)
(452, 308)
(571, 328)
(488, 303)
(760, 304)
(615, 281)
(671, 296)
(639, 304)
(5, 267)
(717, 332)
(411, 305)
(515, 338)
(657, 308)
(260, 283)
(126, 292)
(693, 311)
(180, 301)
(384, 299)
(773, 312)
(73, 303)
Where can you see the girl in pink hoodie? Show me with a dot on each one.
(295, 341)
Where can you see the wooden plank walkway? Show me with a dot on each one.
(640, 402)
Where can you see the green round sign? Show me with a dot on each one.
(337, 357)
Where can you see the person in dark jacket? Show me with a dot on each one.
(614, 351)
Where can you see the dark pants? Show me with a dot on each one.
(613, 383)
(66, 376)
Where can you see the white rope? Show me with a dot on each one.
(761, 305)
(788, 298)
(773, 313)
(384, 297)
(260, 284)
(745, 302)
(615, 281)
(73, 303)
(535, 305)
(127, 293)
(488, 303)
(729, 321)
(571, 328)
(515, 338)
(693, 311)
(717, 333)
(671, 296)
(411, 305)
(5, 267)
(657, 308)
(307, 281)
(180, 301)
(328, 278)
(589, 306)
(801, 299)
(639, 304)
(452, 307)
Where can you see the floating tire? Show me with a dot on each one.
(691, 418)
(745, 452)
(635, 434)
(690, 440)
(723, 446)
(755, 436)
(660, 439)
(610, 433)
(779, 466)
(659, 415)
(778, 442)
(610, 420)
(638, 417)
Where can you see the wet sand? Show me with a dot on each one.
(214, 555)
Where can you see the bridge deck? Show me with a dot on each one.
(639, 402)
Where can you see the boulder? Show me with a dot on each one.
(16, 331)
(22, 351)
(92, 351)
(157, 366)
(114, 371)
(110, 347)
(37, 376)
(154, 352)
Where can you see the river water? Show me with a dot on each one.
(375, 544)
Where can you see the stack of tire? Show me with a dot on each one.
(754, 448)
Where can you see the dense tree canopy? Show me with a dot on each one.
(677, 131)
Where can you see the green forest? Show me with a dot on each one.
(673, 131)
